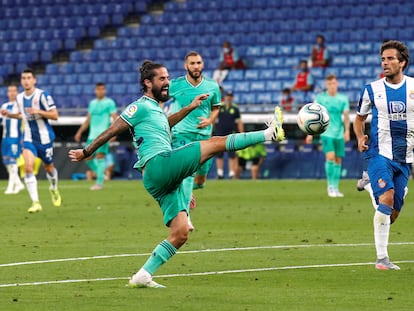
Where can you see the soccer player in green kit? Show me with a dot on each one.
(334, 138)
(198, 125)
(164, 168)
(100, 111)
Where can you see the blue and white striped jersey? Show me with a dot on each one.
(12, 128)
(36, 128)
(392, 125)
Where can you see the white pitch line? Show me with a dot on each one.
(212, 250)
(338, 265)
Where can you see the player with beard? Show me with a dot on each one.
(199, 123)
(163, 168)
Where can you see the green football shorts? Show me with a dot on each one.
(180, 140)
(163, 176)
(336, 145)
(102, 149)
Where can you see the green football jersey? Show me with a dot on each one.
(151, 129)
(183, 93)
(100, 116)
(336, 105)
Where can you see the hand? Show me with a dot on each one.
(308, 139)
(347, 136)
(204, 122)
(76, 155)
(32, 110)
(4, 112)
(362, 143)
(198, 100)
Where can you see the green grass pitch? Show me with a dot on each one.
(264, 245)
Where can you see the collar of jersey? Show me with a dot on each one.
(201, 81)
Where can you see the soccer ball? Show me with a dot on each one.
(313, 119)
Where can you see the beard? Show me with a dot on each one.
(157, 93)
(195, 75)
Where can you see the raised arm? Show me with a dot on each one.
(178, 116)
(117, 127)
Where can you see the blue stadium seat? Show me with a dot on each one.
(273, 85)
(85, 78)
(236, 75)
(257, 86)
(271, 50)
(356, 60)
(253, 51)
(265, 98)
(267, 74)
(242, 86)
(251, 74)
(259, 63)
(340, 60)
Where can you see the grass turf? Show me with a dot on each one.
(312, 229)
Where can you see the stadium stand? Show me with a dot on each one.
(271, 35)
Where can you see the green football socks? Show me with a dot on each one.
(242, 140)
(161, 254)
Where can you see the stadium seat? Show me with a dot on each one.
(251, 74)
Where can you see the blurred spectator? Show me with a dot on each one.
(229, 59)
(228, 122)
(303, 82)
(251, 158)
(287, 101)
(320, 56)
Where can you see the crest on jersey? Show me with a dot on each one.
(397, 106)
(381, 183)
(130, 111)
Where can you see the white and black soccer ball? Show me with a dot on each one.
(313, 119)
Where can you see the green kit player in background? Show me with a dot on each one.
(198, 125)
(334, 138)
(164, 168)
(100, 111)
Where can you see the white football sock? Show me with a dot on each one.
(31, 184)
(381, 233)
(220, 172)
(53, 179)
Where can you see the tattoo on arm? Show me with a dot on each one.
(117, 127)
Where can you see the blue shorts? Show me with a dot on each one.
(386, 174)
(44, 152)
(10, 150)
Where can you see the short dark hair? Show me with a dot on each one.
(191, 53)
(29, 70)
(330, 77)
(147, 72)
(401, 48)
(99, 84)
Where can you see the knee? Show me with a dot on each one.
(179, 238)
(387, 198)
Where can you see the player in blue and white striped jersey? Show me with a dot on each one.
(36, 107)
(389, 151)
(11, 143)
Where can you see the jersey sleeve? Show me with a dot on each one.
(131, 114)
(216, 100)
(112, 107)
(46, 102)
(365, 103)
